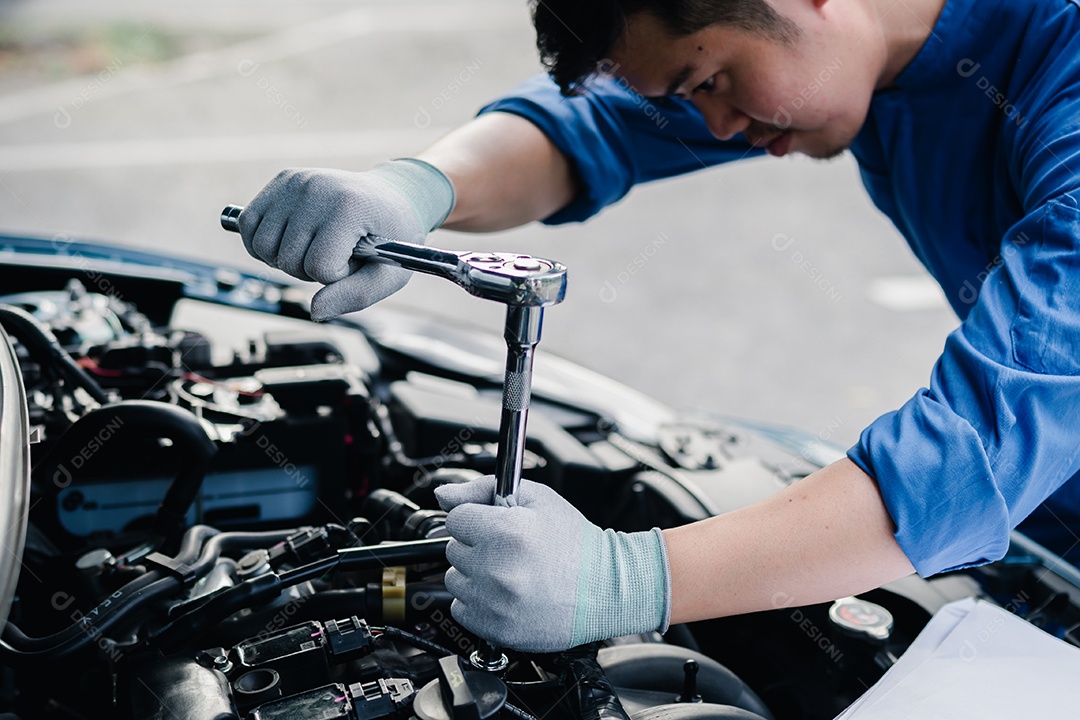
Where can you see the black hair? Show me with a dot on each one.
(573, 36)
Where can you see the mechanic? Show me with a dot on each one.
(964, 117)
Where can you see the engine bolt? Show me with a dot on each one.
(689, 688)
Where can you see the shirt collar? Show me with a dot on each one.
(959, 20)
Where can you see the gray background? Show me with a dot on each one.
(769, 289)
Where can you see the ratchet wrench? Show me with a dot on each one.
(526, 285)
(507, 278)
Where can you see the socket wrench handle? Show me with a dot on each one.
(507, 278)
(526, 285)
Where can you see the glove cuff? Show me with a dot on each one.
(424, 186)
(665, 592)
(625, 588)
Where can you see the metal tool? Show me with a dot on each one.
(526, 285)
(507, 278)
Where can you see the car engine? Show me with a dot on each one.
(231, 515)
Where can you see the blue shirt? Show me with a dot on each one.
(974, 154)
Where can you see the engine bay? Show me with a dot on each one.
(232, 516)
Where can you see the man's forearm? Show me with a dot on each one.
(505, 173)
(827, 536)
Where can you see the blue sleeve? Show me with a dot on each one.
(998, 430)
(616, 138)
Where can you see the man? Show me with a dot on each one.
(962, 116)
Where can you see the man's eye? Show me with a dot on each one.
(707, 86)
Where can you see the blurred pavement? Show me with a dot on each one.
(769, 289)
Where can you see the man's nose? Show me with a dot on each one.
(723, 120)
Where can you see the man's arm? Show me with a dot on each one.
(506, 173)
(495, 172)
(569, 582)
(827, 536)
(533, 155)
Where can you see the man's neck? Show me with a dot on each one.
(906, 26)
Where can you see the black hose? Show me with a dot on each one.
(212, 554)
(193, 546)
(193, 624)
(199, 551)
(311, 571)
(241, 540)
(263, 588)
(590, 695)
(172, 513)
(86, 630)
(222, 541)
(415, 640)
(194, 448)
(43, 345)
(367, 557)
(400, 553)
(337, 603)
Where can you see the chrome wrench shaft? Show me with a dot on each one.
(523, 325)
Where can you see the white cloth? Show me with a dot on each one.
(976, 660)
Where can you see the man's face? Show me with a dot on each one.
(808, 95)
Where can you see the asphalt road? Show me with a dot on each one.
(769, 289)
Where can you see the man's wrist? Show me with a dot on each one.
(424, 186)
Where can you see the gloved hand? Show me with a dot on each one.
(540, 577)
(307, 223)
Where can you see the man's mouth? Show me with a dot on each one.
(780, 145)
(776, 141)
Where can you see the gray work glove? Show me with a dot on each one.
(307, 223)
(539, 577)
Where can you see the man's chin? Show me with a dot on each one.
(823, 143)
(826, 154)
(821, 148)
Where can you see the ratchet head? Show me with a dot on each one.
(520, 280)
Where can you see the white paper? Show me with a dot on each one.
(976, 660)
